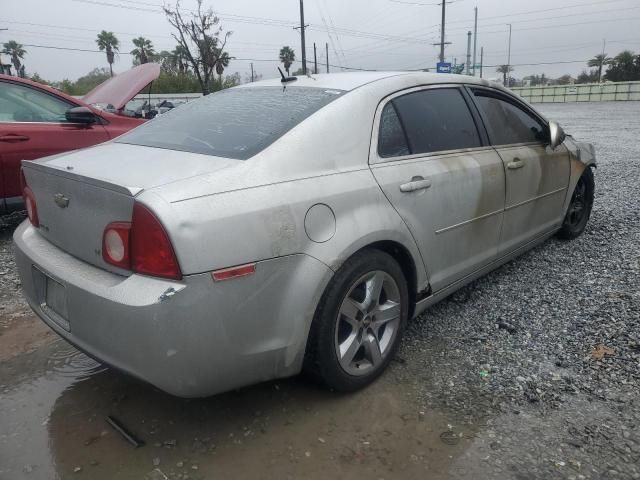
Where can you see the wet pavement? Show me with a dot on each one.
(462, 400)
(55, 402)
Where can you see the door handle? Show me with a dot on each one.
(515, 164)
(416, 183)
(13, 138)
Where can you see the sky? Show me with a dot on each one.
(554, 37)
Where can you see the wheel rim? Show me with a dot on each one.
(367, 323)
(578, 205)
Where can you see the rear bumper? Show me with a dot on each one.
(190, 338)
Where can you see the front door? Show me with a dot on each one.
(537, 176)
(437, 171)
(33, 125)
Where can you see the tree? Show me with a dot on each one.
(504, 70)
(16, 52)
(143, 51)
(231, 80)
(599, 61)
(287, 57)
(591, 76)
(222, 63)
(623, 68)
(85, 83)
(199, 39)
(180, 60)
(564, 80)
(108, 42)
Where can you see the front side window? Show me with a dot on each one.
(508, 123)
(436, 120)
(19, 103)
(236, 123)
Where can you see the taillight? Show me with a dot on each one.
(29, 201)
(141, 246)
(151, 249)
(115, 244)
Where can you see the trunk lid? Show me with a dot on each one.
(119, 90)
(78, 194)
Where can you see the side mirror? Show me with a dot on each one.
(556, 135)
(81, 115)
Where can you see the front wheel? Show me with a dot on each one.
(359, 322)
(579, 209)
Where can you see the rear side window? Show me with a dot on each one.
(235, 123)
(435, 120)
(392, 139)
(508, 123)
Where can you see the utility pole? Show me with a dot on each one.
(468, 52)
(481, 60)
(475, 40)
(508, 60)
(252, 72)
(302, 39)
(442, 43)
(444, 7)
(604, 44)
(315, 59)
(326, 48)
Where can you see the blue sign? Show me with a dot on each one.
(443, 67)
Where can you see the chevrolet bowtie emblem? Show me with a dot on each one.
(61, 200)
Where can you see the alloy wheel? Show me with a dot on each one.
(367, 323)
(578, 205)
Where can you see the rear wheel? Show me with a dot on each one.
(579, 209)
(359, 322)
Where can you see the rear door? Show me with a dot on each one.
(435, 167)
(537, 176)
(33, 125)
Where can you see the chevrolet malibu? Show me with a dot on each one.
(291, 225)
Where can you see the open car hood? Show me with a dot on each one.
(118, 90)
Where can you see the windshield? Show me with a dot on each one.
(235, 123)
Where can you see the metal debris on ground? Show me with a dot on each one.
(122, 430)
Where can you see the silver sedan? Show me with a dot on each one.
(286, 226)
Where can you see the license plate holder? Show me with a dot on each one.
(52, 298)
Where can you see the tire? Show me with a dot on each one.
(353, 337)
(579, 211)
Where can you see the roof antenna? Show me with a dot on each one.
(286, 79)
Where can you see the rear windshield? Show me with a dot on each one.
(235, 123)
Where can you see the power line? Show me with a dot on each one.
(54, 47)
(274, 60)
(541, 10)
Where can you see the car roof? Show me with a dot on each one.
(348, 81)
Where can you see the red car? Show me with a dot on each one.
(37, 120)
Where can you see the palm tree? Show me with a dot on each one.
(16, 52)
(179, 58)
(108, 42)
(221, 63)
(599, 61)
(144, 51)
(504, 70)
(287, 57)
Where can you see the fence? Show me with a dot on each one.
(158, 97)
(587, 92)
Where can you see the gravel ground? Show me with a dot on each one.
(546, 350)
(536, 366)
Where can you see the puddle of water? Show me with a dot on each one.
(55, 401)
